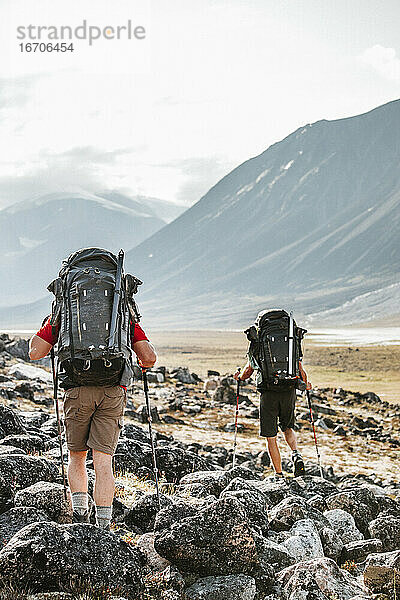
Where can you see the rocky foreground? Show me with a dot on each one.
(221, 533)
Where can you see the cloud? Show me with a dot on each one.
(78, 169)
(199, 175)
(383, 60)
(15, 92)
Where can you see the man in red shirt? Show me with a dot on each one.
(93, 419)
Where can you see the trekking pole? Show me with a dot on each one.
(116, 299)
(236, 419)
(55, 394)
(149, 419)
(315, 435)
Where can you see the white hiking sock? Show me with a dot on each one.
(103, 516)
(80, 502)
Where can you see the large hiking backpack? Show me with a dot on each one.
(95, 311)
(275, 343)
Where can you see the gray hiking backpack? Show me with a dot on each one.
(275, 344)
(95, 312)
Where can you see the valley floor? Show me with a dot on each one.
(360, 369)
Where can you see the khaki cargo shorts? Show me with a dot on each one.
(94, 417)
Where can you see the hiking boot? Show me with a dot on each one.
(298, 462)
(80, 517)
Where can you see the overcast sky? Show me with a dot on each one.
(214, 83)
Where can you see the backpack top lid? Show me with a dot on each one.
(270, 314)
(85, 255)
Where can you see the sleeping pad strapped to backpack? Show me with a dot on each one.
(275, 344)
(95, 311)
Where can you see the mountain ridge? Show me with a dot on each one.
(309, 214)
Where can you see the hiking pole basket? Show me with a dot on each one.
(55, 394)
(315, 434)
(149, 419)
(236, 420)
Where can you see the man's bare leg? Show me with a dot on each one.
(77, 474)
(104, 487)
(297, 459)
(291, 439)
(274, 454)
(78, 484)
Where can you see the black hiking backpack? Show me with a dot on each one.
(275, 344)
(95, 312)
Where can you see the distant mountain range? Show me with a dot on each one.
(35, 235)
(310, 223)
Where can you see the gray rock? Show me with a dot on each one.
(304, 542)
(225, 394)
(272, 553)
(143, 512)
(51, 596)
(358, 551)
(154, 562)
(344, 525)
(10, 421)
(155, 377)
(359, 502)
(23, 371)
(48, 497)
(173, 578)
(381, 573)
(310, 486)
(26, 441)
(254, 502)
(183, 375)
(52, 557)
(319, 579)
(143, 415)
(169, 595)
(180, 509)
(216, 541)
(176, 463)
(136, 433)
(5, 450)
(213, 481)
(18, 472)
(17, 518)
(274, 491)
(19, 349)
(229, 587)
(294, 508)
(331, 543)
(387, 529)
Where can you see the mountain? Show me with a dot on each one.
(310, 223)
(35, 235)
(371, 306)
(167, 211)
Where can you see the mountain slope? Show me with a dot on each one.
(311, 222)
(36, 235)
(370, 306)
(167, 211)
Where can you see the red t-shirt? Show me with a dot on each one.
(45, 332)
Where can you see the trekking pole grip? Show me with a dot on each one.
(145, 380)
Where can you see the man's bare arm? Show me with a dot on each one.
(304, 376)
(38, 348)
(145, 353)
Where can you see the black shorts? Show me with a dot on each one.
(274, 406)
